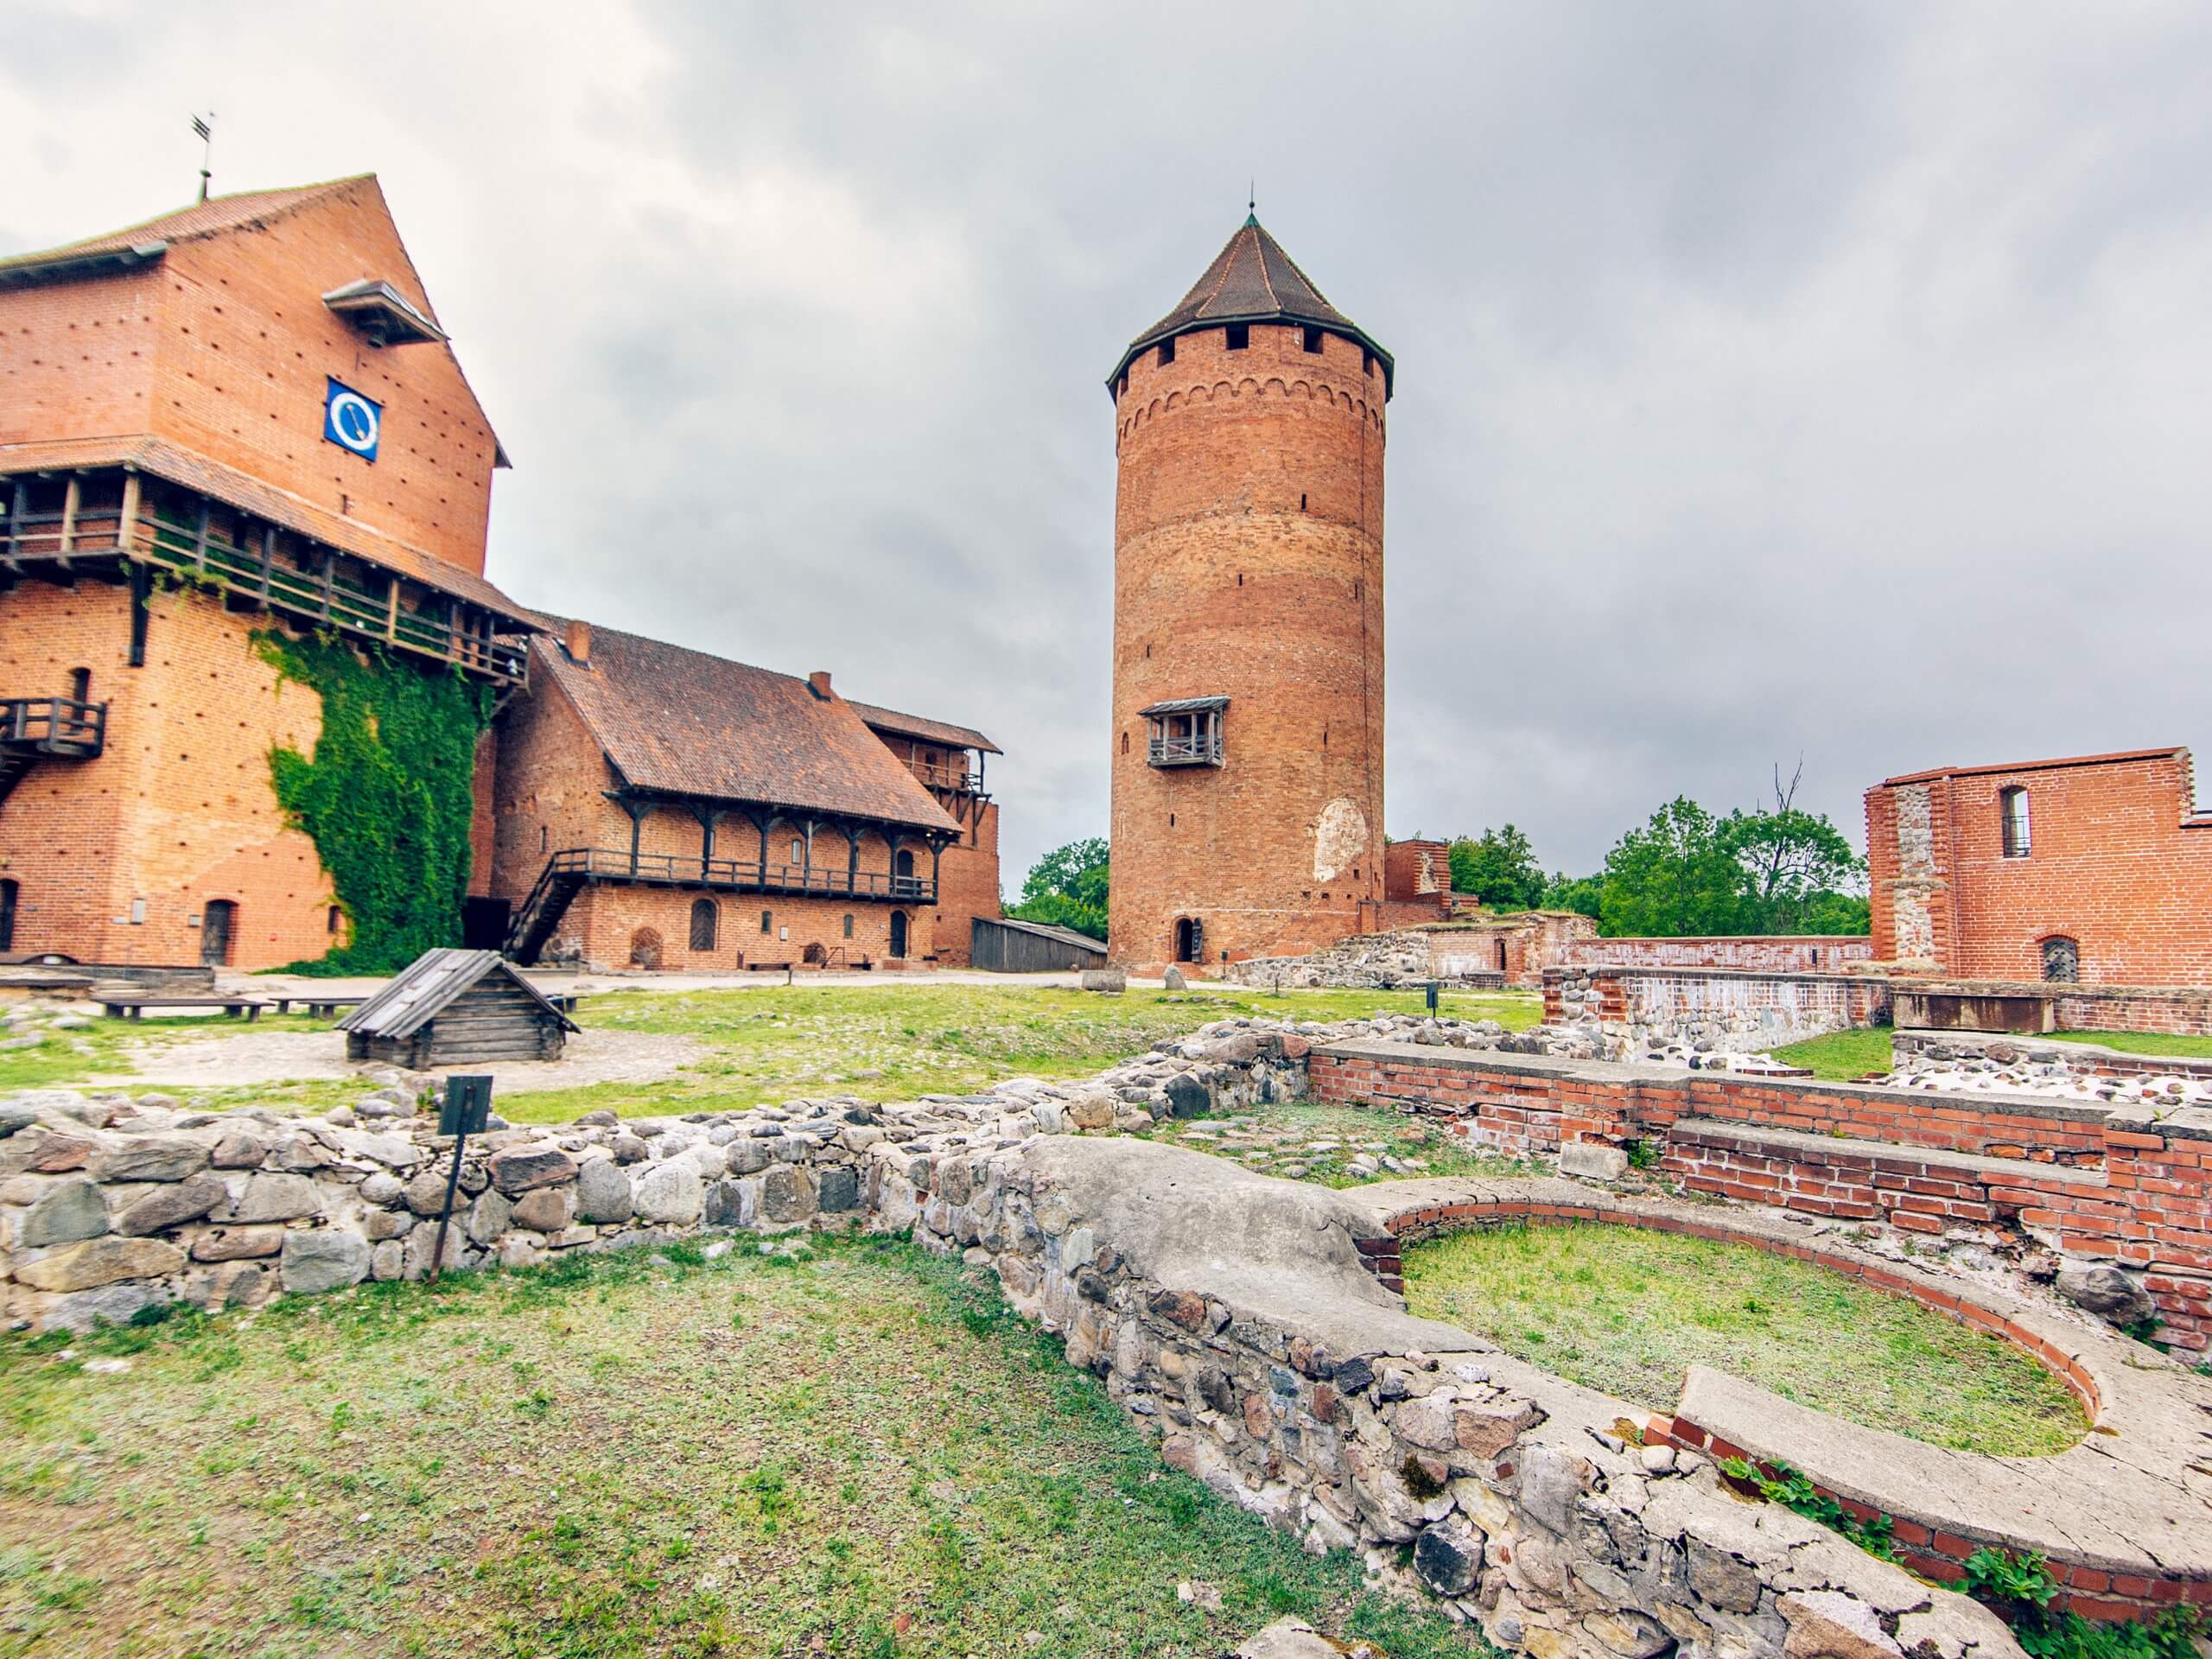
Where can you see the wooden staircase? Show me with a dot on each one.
(539, 914)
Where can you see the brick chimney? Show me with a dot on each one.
(818, 682)
(576, 641)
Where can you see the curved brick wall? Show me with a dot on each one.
(1247, 562)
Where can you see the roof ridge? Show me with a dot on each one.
(1260, 240)
(300, 195)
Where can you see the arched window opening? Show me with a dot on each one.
(2062, 960)
(2012, 809)
(849, 926)
(704, 920)
(1190, 939)
(81, 685)
(768, 921)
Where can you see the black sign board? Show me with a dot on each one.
(468, 1109)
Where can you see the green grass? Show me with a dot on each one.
(845, 1450)
(2141, 1042)
(1840, 1056)
(1628, 1311)
(1306, 1140)
(896, 1043)
(104, 1047)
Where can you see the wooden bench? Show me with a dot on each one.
(318, 1004)
(133, 1007)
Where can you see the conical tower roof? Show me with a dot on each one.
(1253, 280)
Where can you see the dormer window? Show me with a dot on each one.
(1186, 733)
(381, 314)
(2012, 811)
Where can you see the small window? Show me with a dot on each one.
(2012, 809)
(1166, 353)
(768, 921)
(81, 685)
(703, 920)
(545, 838)
(2062, 960)
(1367, 363)
(1122, 391)
(849, 927)
(1125, 742)
(330, 921)
(1312, 339)
(1240, 335)
(798, 850)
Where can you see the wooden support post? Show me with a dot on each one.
(706, 815)
(73, 495)
(268, 561)
(392, 615)
(126, 527)
(852, 858)
(200, 546)
(141, 584)
(806, 856)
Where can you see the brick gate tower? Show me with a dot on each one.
(1248, 619)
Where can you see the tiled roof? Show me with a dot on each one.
(200, 218)
(242, 490)
(1253, 280)
(929, 731)
(2035, 766)
(683, 722)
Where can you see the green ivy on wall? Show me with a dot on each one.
(387, 795)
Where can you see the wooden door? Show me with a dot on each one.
(216, 924)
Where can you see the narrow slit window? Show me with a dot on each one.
(1240, 335)
(2012, 807)
(1313, 339)
(1166, 353)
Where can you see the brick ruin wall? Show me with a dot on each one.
(1249, 564)
(2124, 1185)
(2117, 861)
(1768, 954)
(1629, 1011)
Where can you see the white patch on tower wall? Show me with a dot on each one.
(1915, 923)
(1339, 839)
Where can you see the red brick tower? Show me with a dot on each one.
(1248, 619)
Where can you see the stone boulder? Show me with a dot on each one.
(1104, 979)
(151, 1158)
(99, 1262)
(516, 1170)
(602, 1191)
(173, 1204)
(64, 1213)
(670, 1192)
(318, 1259)
(277, 1197)
(1448, 1556)
(2105, 1290)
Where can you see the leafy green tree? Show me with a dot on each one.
(1584, 894)
(1499, 868)
(1676, 876)
(1798, 869)
(1067, 887)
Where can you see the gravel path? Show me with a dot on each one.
(248, 1056)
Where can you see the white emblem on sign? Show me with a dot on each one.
(354, 420)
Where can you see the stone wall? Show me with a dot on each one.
(1631, 1013)
(1775, 954)
(1374, 961)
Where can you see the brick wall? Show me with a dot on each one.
(968, 885)
(179, 810)
(2114, 1184)
(1248, 563)
(606, 919)
(2116, 861)
(1627, 1009)
(1416, 869)
(1765, 953)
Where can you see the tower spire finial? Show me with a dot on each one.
(1252, 202)
(204, 126)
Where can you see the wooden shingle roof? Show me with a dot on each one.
(681, 722)
(927, 730)
(430, 985)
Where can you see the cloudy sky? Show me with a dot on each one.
(1773, 380)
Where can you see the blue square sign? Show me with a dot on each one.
(351, 421)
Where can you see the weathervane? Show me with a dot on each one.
(205, 126)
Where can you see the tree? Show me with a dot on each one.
(1798, 869)
(1067, 887)
(1676, 876)
(1500, 868)
(1583, 894)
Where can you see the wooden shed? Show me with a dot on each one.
(456, 1007)
(1006, 946)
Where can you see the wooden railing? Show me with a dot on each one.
(746, 876)
(59, 726)
(1201, 751)
(189, 543)
(960, 780)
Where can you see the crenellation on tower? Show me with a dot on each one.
(1248, 619)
